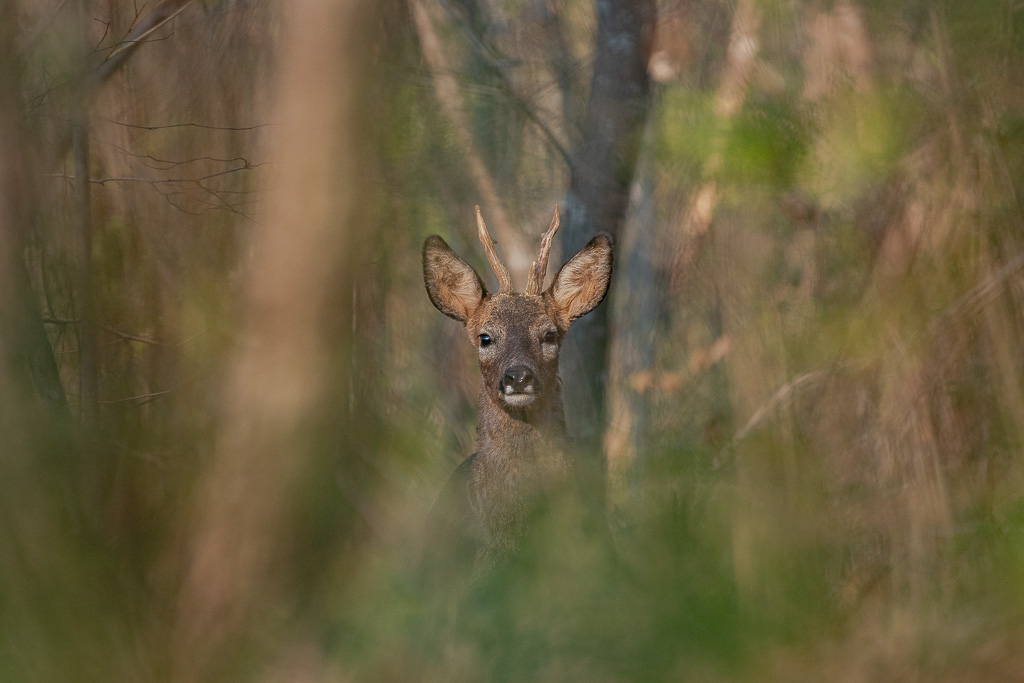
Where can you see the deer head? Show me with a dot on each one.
(518, 335)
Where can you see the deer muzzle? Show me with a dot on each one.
(518, 387)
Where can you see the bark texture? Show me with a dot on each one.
(603, 164)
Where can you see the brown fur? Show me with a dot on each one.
(522, 450)
(583, 279)
(452, 284)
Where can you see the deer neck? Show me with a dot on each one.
(520, 460)
(520, 439)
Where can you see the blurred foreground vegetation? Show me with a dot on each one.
(226, 404)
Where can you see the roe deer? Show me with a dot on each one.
(523, 455)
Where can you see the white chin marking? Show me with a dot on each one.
(518, 400)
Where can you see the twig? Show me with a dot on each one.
(159, 181)
(782, 395)
(129, 337)
(170, 163)
(144, 398)
(161, 14)
(90, 84)
(188, 125)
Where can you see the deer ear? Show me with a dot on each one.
(582, 282)
(452, 285)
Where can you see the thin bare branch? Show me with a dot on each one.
(144, 398)
(188, 124)
(217, 200)
(168, 164)
(780, 397)
(129, 337)
(160, 181)
(161, 14)
(87, 88)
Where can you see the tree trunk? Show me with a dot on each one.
(632, 340)
(277, 383)
(603, 166)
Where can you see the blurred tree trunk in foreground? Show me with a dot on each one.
(277, 386)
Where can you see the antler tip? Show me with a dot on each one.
(540, 266)
(555, 220)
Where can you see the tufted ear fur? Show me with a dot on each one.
(452, 285)
(582, 282)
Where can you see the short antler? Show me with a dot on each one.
(504, 279)
(540, 266)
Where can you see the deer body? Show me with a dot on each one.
(523, 459)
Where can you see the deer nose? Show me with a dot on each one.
(517, 379)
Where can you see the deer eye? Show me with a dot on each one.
(485, 339)
(550, 337)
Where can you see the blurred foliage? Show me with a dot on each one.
(815, 438)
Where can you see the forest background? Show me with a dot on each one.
(226, 404)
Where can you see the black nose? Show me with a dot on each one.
(518, 378)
